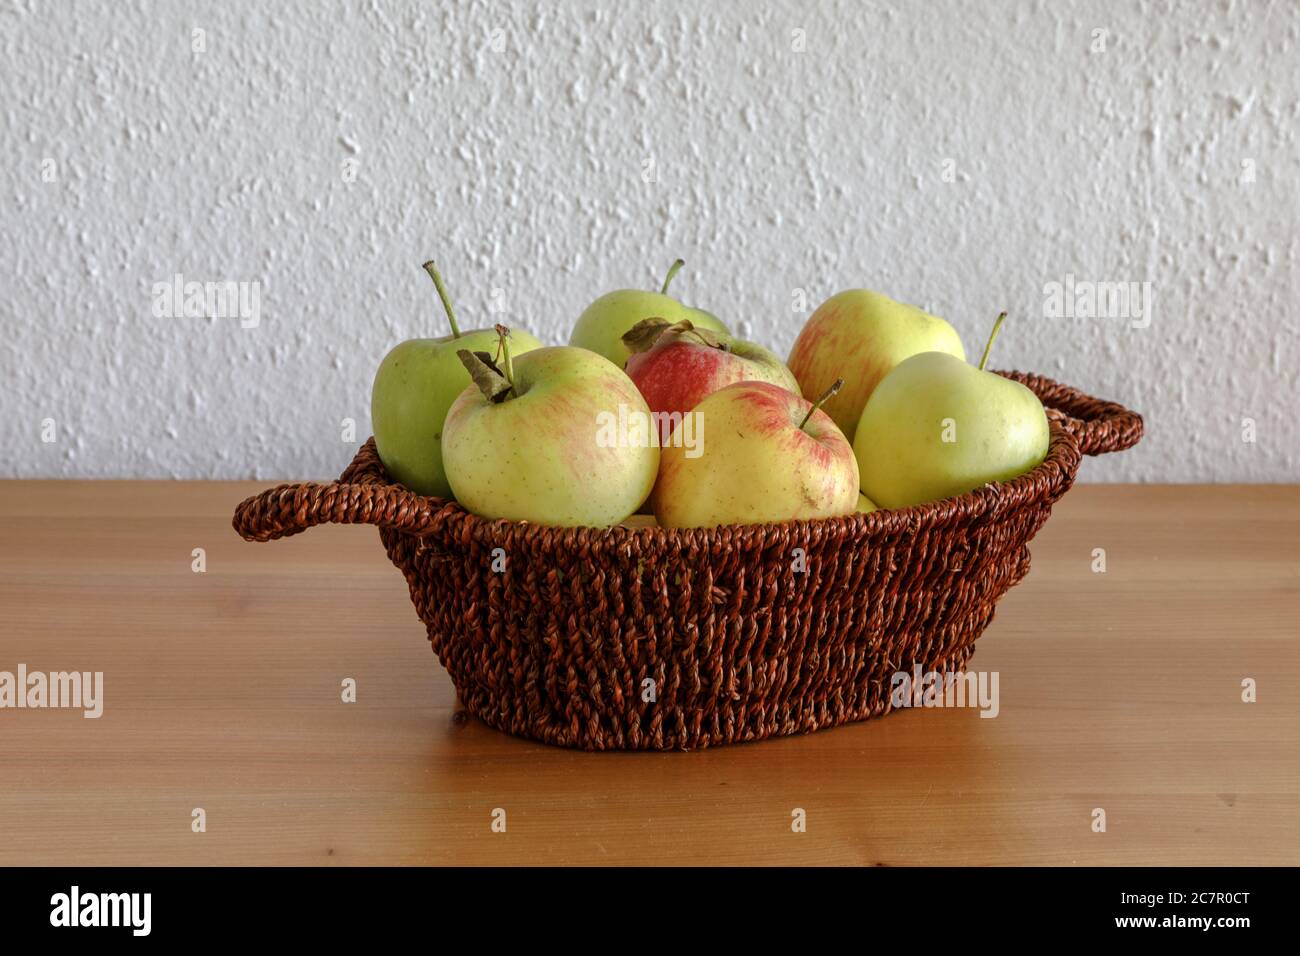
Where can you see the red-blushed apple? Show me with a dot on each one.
(862, 335)
(530, 440)
(762, 455)
(677, 366)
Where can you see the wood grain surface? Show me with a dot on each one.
(222, 691)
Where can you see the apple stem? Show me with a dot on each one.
(507, 366)
(430, 268)
(672, 271)
(997, 327)
(835, 387)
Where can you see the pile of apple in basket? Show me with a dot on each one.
(655, 408)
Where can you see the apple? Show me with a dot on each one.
(864, 334)
(602, 324)
(528, 440)
(866, 505)
(415, 385)
(937, 427)
(765, 455)
(676, 366)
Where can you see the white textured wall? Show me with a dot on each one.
(1171, 156)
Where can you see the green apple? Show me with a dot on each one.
(936, 427)
(866, 505)
(415, 385)
(533, 439)
(862, 335)
(761, 454)
(601, 326)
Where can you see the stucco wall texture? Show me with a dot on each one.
(960, 156)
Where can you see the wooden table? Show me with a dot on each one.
(222, 691)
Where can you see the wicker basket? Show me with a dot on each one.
(561, 644)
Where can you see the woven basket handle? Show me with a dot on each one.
(1099, 426)
(362, 495)
(288, 509)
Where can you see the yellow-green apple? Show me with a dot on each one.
(862, 335)
(937, 427)
(531, 441)
(866, 505)
(601, 326)
(763, 454)
(415, 385)
(677, 365)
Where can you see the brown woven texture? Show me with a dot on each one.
(739, 644)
